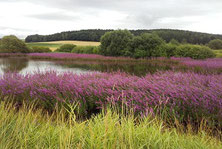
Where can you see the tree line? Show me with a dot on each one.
(146, 45)
(95, 35)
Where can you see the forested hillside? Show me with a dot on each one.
(94, 35)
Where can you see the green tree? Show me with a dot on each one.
(11, 44)
(115, 43)
(194, 51)
(150, 43)
(95, 35)
(170, 49)
(215, 44)
(174, 42)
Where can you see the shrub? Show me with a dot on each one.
(96, 50)
(38, 49)
(159, 51)
(66, 48)
(174, 42)
(11, 44)
(139, 54)
(85, 49)
(115, 43)
(194, 51)
(149, 43)
(170, 49)
(215, 44)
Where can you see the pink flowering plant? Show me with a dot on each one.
(188, 96)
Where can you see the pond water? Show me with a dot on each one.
(24, 65)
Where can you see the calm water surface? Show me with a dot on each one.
(24, 65)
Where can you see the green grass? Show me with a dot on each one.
(28, 129)
(53, 45)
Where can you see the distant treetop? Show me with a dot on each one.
(95, 35)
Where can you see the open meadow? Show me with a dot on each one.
(53, 45)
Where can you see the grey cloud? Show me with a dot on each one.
(139, 13)
(156, 9)
(147, 12)
(55, 16)
(19, 32)
(16, 29)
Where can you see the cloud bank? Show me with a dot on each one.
(26, 17)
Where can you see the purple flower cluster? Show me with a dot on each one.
(214, 63)
(184, 94)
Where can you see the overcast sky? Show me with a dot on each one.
(25, 17)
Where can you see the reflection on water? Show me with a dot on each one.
(139, 68)
(25, 65)
(13, 64)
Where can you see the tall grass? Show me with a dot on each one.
(29, 128)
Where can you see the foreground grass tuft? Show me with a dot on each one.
(28, 128)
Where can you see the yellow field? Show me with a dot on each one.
(53, 45)
(78, 43)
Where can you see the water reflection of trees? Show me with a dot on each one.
(13, 64)
(139, 68)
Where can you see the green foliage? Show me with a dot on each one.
(96, 50)
(146, 45)
(38, 49)
(86, 49)
(11, 44)
(29, 128)
(160, 51)
(45, 44)
(122, 43)
(66, 48)
(82, 35)
(171, 49)
(218, 53)
(115, 43)
(140, 54)
(174, 42)
(95, 35)
(215, 44)
(194, 51)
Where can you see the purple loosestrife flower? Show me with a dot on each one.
(184, 93)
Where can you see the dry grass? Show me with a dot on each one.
(78, 43)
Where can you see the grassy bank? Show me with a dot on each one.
(28, 128)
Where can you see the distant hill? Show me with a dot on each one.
(95, 35)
